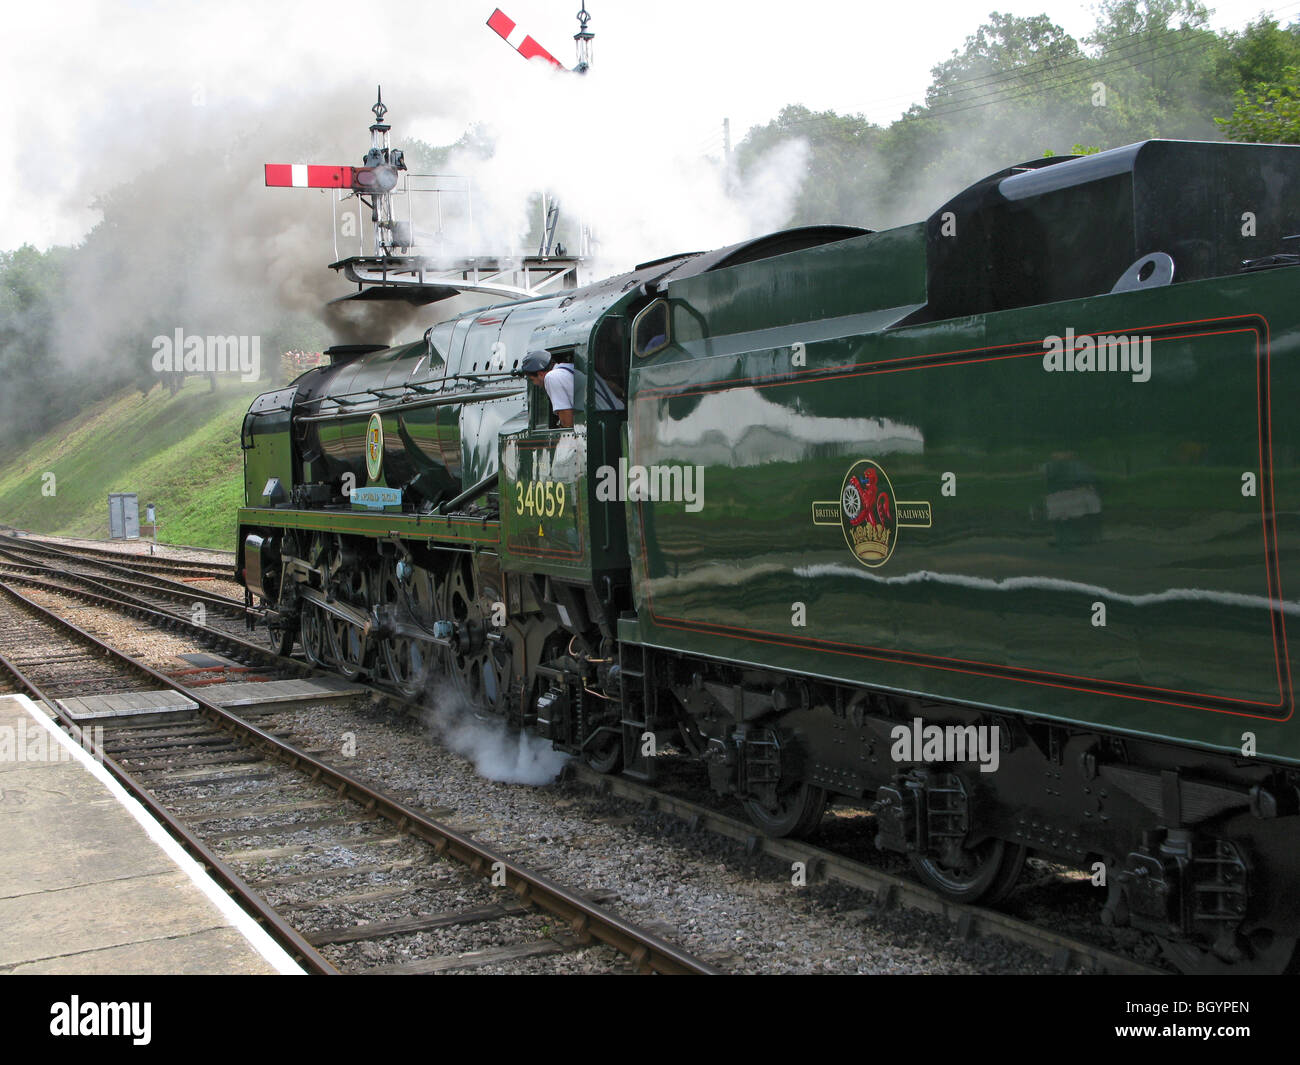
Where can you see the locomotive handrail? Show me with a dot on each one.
(343, 397)
(433, 401)
(473, 491)
(483, 376)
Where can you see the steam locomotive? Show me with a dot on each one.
(984, 518)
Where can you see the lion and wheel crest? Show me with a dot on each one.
(869, 514)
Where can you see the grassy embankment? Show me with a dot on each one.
(179, 452)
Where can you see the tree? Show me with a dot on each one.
(1270, 115)
(1020, 87)
(843, 162)
(1017, 86)
(1256, 57)
(1006, 58)
(1156, 65)
(31, 294)
(1262, 67)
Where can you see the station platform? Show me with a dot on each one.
(90, 883)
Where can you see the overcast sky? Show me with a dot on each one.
(88, 83)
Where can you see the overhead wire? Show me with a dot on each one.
(1116, 52)
(1097, 74)
(1101, 68)
(1121, 49)
(1131, 51)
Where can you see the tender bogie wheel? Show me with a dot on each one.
(987, 875)
(605, 753)
(798, 812)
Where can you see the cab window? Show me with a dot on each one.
(609, 356)
(540, 414)
(650, 330)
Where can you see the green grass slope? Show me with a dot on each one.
(179, 452)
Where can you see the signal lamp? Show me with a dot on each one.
(374, 179)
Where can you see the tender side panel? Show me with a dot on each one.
(1023, 503)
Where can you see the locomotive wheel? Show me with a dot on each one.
(313, 622)
(988, 875)
(349, 646)
(605, 753)
(472, 666)
(279, 638)
(315, 640)
(797, 812)
(409, 661)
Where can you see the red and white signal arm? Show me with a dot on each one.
(357, 178)
(526, 46)
(304, 176)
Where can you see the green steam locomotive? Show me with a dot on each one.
(986, 519)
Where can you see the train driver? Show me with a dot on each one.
(560, 380)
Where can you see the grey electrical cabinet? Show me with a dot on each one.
(123, 515)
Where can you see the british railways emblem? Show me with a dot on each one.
(869, 514)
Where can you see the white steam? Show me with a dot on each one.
(198, 242)
(643, 192)
(495, 752)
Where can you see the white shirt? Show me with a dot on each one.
(559, 387)
(560, 382)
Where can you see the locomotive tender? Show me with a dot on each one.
(986, 518)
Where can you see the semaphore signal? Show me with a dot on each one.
(528, 47)
(376, 177)
(411, 264)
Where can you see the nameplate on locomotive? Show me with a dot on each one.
(376, 498)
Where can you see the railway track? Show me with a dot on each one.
(255, 810)
(219, 611)
(37, 647)
(820, 863)
(887, 889)
(156, 564)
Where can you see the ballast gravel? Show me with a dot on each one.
(700, 891)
